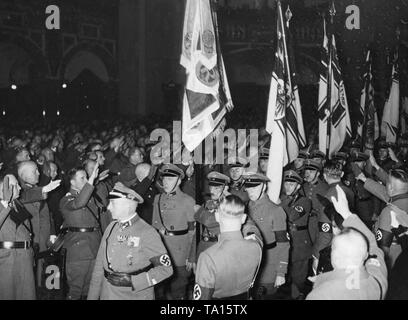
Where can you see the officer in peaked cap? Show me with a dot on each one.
(271, 220)
(173, 217)
(263, 160)
(358, 157)
(209, 227)
(300, 160)
(314, 184)
(131, 258)
(340, 157)
(382, 156)
(297, 208)
(317, 155)
(236, 170)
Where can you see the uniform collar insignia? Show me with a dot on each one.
(128, 223)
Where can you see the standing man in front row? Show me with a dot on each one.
(131, 258)
(173, 217)
(271, 220)
(228, 269)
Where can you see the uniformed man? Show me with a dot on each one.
(132, 258)
(359, 271)
(383, 159)
(236, 186)
(300, 161)
(395, 193)
(333, 172)
(341, 158)
(271, 220)
(83, 231)
(210, 229)
(16, 241)
(297, 208)
(263, 160)
(318, 155)
(173, 217)
(314, 185)
(227, 270)
(364, 205)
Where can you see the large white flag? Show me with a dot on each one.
(206, 93)
(389, 124)
(284, 116)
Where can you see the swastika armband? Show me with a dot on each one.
(202, 293)
(162, 260)
(325, 227)
(282, 236)
(384, 238)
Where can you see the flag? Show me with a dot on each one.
(404, 114)
(389, 124)
(334, 118)
(368, 130)
(206, 96)
(284, 117)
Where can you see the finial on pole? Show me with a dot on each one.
(288, 15)
(332, 11)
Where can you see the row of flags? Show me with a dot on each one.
(207, 97)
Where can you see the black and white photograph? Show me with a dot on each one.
(205, 154)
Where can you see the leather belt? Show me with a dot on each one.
(16, 245)
(76, 229)
(209, 239)
(297, 228)
(176, 233)
(123, 279)
(241, 296)
(270, 245)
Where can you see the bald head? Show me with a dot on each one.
(349, 249)
(142, 171)
(28, 172)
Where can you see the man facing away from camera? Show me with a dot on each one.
(359, 270)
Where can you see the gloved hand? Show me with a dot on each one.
(119, 280)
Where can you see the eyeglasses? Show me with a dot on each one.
(399, 174)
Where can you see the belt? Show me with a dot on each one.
(297, 228)
(270, 245)
(16, 245)
(209, 239)
(123, 279)
(241, 296)
(76, 229)
(176, 233)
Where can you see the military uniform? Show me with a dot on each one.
(325, 235)
(16, 258)
(81, 240)
(298, 208)
(237, 187)
(364, 206)
(371, 278)
(131, 260)
(271, 221)
(209, 227)
(311, 191)
(173, 217)
(228, 268)
(384, 235)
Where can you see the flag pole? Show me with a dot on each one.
(332, 12)
(366, 102)
(284, 43)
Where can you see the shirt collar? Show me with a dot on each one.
(128, 222)
(230, 235)
(398, 197)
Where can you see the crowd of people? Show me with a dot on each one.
(132, 226)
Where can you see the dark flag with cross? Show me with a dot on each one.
(334, 117)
